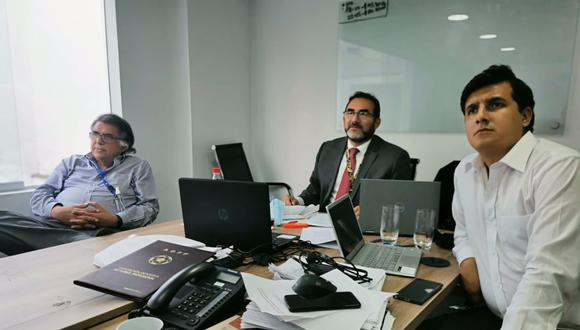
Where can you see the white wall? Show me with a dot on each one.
(219, 57)
(185, 84)
(294, 65)
(154, 71)
(294, 69)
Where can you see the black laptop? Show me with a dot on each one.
(224, 213)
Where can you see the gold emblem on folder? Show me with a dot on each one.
(160, 260)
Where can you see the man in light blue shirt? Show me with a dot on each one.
(106, 190)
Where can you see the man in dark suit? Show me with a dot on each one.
(342, 162)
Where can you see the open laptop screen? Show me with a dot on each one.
(348, 234)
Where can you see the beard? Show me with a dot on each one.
(361, 135)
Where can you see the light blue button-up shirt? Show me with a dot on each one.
(76, 180)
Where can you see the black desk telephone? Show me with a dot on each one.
(196, 297)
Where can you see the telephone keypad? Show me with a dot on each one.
(202, 300)
(188, 308)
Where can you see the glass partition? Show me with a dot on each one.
(418, 58)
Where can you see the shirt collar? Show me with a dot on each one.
(116, 160)
(473, 161)
(516, 158)
(361, 149)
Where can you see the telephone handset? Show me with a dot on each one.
(196, 297)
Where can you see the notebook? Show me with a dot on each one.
(394, 260)
(412, 195)
(224, 213)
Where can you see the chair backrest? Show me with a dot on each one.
(445, 176)
(233, 162)
(414, 163)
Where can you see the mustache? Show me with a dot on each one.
(355, 125)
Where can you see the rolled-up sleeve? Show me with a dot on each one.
(144, 211)
(44, 197)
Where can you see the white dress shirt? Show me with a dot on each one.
(521, 223)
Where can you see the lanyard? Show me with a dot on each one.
(104, 180)
(115, 191)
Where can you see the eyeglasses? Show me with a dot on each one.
(363, 114)
(107, 138)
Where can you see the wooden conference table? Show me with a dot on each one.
(36, 289)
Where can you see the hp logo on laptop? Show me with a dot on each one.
(223, 214)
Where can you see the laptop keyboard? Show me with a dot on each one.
(378, 256)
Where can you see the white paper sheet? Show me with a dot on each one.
(320, 219)
(388, 321)
(289, 270)
(254, 318)
(317, 235)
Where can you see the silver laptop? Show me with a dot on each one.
(411, 195)
(394, 260)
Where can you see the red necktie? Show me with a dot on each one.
(344, 187)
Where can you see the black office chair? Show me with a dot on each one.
(446, 221)
(234, 165)
(414, 163)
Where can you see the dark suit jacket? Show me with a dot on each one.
(382, 160)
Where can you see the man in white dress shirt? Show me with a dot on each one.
(517, 210)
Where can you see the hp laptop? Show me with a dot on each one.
(394, 260)
(224, 213)
(411, 195)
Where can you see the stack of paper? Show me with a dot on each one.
(268, 309)
(294, 212)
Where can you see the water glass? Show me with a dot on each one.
(424, 228)
(390, 223)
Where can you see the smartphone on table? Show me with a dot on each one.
(336, 300)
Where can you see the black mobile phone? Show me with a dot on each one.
(418, 291)
(336, 300)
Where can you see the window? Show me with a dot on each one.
(53, 82)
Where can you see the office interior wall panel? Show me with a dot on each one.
(219, 57)
(293, 86)
(154, 73)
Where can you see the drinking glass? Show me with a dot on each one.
(390, 223)
(424, 228)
